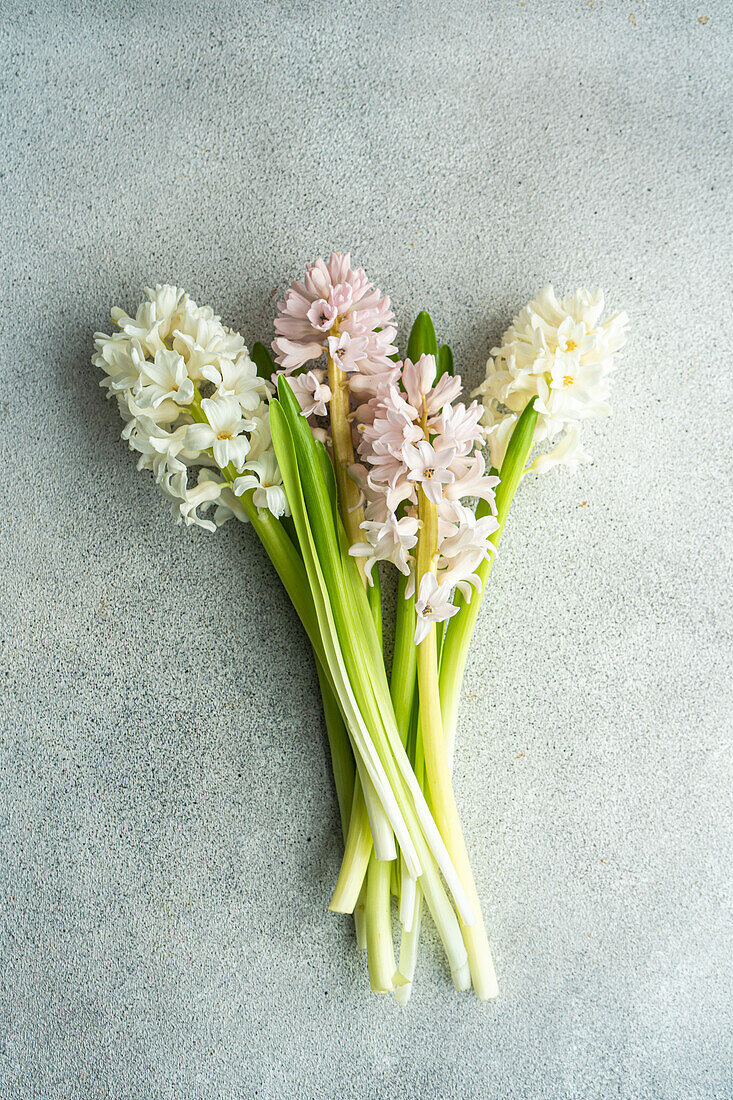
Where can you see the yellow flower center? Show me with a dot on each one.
(571, 346)
(568, 380)
(429, 471)
(224, 435)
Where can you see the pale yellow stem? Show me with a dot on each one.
(356, 856)
(445, 812)
(351, 510)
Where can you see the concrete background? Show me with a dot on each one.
(169, 829)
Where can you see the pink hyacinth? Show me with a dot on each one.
(413, 433)
(311, 392)
(337, 309)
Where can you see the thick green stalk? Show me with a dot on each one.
(410, 936)
(380, 948)
(342, 758)
(409, 944)
(356, 857)
(404, 660)
(444, 807)
(461, 626)
(380, 876)
(402, 688)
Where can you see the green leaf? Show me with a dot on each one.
(422, 338)
(328, 474)
(445, 361)
(512, 468)
(348, 597)
(316, 490)
(262, 359)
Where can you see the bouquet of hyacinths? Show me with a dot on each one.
(342, 456)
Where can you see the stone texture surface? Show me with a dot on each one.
(169, 829)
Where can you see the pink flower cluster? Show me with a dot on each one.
(414, 434)
(336, 310)
(409, 430)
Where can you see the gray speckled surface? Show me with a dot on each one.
(169, 831)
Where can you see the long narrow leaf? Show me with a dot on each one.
(361, 738)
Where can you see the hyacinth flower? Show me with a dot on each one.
(418, 461)
(335, 314)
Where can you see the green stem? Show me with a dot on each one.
(380, 949)
(360, 919)
(359, 840)
(444, 808)
(378, 911)
(356, 857)
(342, 757)
(404, 660)
(461, 626)
(410, 939)
(403, 677)
(408, 953)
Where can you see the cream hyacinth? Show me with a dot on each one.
(193, 405)
(561, 353)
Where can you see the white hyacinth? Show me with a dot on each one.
(562, 354)
(194, 407)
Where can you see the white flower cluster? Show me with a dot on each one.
(193, 405)
(561, 353)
